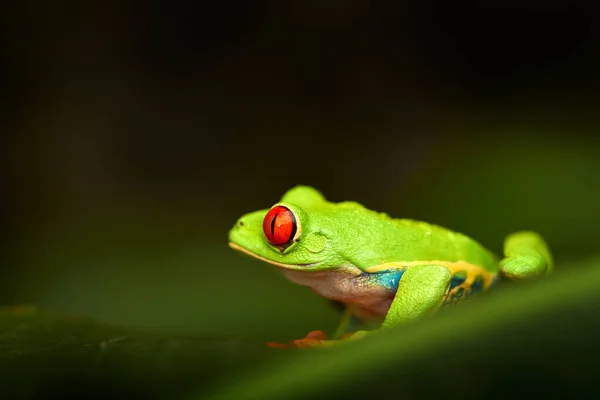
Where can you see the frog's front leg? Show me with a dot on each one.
(526, 254)
(421, 290)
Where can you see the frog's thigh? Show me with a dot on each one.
(421, 290)
(525, 254)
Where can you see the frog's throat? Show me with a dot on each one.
(239, 248)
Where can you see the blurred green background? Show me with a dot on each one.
(137, 135)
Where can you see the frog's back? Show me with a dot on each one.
(436, 242)
(407, 240)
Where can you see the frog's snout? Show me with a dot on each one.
(248, 228)
(239, 230)
(239, 225)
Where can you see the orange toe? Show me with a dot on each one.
(318, 335)
(314, 338)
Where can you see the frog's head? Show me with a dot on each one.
(301, 232)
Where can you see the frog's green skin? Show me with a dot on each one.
(390, 269)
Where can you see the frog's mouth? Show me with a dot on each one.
(241, 249)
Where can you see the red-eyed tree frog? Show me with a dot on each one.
(383, 269)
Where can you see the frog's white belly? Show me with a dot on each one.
(367, 299)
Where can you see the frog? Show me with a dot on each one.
(389, 271)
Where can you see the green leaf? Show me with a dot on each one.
(532, 338)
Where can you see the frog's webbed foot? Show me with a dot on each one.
(315, 339)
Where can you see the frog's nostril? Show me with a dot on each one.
(241, 223)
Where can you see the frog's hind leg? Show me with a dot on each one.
(526, 254)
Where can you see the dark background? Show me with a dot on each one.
(137, 133)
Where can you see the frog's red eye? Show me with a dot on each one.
(280, 226)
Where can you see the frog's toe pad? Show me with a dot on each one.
(522, 267)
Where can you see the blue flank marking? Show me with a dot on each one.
(388, 279)
(457, 281)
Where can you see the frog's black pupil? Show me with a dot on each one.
(273, 224)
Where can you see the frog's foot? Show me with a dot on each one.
(315, 339)
(526, 255)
